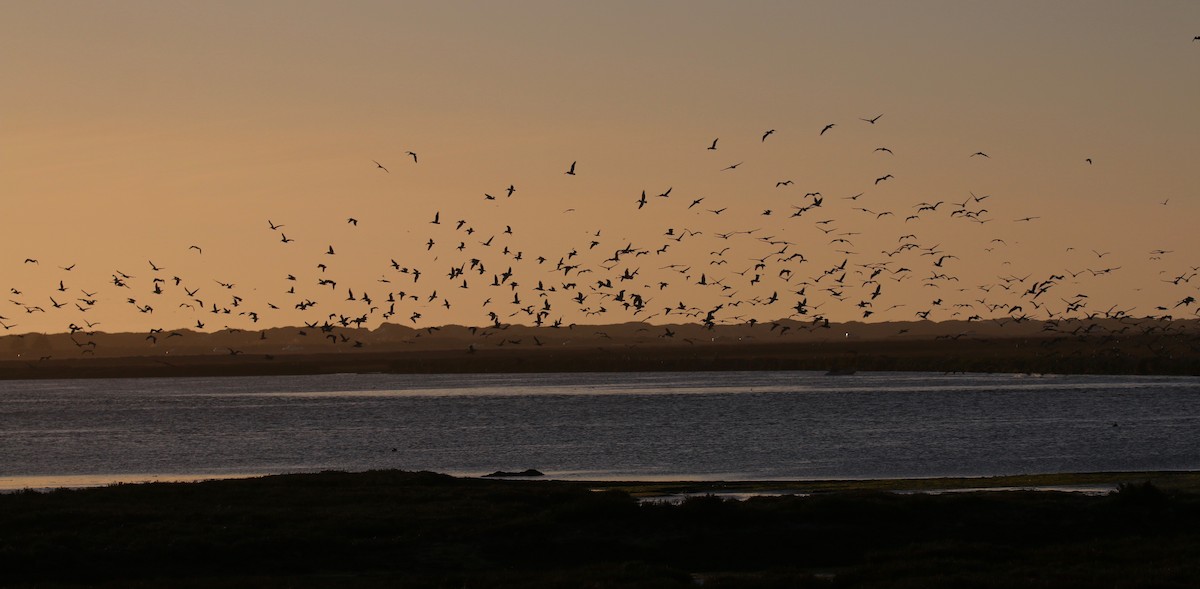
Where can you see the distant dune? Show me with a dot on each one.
(1103, 346)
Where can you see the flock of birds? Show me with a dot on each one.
(806, 262)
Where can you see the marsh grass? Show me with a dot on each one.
(393, 528)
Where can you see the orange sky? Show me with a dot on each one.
(134, 130)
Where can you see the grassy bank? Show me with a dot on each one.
(390, 528)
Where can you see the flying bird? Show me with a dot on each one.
(981, 153)
(414, 155)
(380, 166)
(872, 121)
(571, 172)
(714, 143)
(767, 134)
(827, 127)
(882, 178)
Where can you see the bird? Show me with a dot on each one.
(1088, 160)
(732, 166)
(981, 153)
(872, 121)
(571, 171)
(884, 149)
(826, 128)
(714, 143)
(767, 134)
(380, 166)
(413, 155)
(882, 178)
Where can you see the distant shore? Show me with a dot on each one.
(1177, 354)
(1084, 482)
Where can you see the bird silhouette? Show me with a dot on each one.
(380, 166)
(571, 171)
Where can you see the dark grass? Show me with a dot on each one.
(393, 528)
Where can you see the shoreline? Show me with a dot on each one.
(1177, 480)
(1177, 355)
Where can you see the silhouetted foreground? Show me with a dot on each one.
(391, 528)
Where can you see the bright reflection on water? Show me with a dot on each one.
(749, 425)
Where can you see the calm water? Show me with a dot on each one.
(759, 425)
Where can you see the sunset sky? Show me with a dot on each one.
(132, 131)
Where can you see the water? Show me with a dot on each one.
(647, 426)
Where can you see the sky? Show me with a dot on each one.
(146, 141)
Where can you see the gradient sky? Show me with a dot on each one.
(134, 130)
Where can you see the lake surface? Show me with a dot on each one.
(647, 426)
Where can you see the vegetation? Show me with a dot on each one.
(393, 528)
